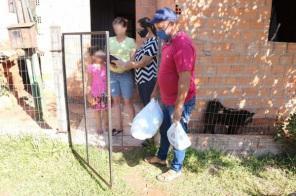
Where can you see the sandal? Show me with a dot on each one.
(168, 176)
(116, 132)
(155, 160)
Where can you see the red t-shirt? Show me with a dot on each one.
(177, 56)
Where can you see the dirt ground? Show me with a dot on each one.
(18, 117)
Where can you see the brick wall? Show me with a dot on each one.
(236, 62)
(147, 8)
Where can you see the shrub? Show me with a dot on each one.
(287, 133)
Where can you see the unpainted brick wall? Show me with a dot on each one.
(236, 63)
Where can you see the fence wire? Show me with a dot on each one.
(22, 81)
(22, 92)
(88, 100)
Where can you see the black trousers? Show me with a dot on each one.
(145, 89)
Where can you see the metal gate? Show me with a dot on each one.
(89, 114)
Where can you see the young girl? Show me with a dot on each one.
(97, 87)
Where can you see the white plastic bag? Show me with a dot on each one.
(147, 121)
(177, 137)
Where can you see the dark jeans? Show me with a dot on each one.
(145, 90)
(179, 155)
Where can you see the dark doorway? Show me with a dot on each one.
(282, 22)
(103, 13)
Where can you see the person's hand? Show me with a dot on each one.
(113, 66)
(177, 115)
(154, 94)
(119, 63)
(91, 100)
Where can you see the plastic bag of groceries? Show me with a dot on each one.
(147, 121)
(178, 137)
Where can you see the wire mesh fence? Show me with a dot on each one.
(88, 100)
(22, 80)
(217, 118)
(22, 91)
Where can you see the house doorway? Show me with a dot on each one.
(104, 12)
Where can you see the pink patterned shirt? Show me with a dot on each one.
(99, 79)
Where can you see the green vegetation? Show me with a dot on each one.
(287, 133)
(44, 167)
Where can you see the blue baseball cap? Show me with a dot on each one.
(164, 14)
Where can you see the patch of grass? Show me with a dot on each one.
(197, 161)
(256, 165)
(31, 166)
(214, 173)
(287, 133)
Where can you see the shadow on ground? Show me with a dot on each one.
(198, 161)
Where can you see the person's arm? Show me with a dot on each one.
(184, 58)
(150, 51)
(146, 60)
(88, 89)
(132, 54)
(183, 88)
(133, 50)
(155, 92)
(89, 79)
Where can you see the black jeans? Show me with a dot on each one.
(145, 90)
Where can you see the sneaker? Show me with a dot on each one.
(155, 160)
(168, 176)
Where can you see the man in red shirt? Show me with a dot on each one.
(175, 83)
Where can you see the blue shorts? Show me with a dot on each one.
(122, 84)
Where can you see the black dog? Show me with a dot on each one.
(233, 119)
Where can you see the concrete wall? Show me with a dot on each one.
(58, 17)
(6, 19)
(236, 144)
(69, 16)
